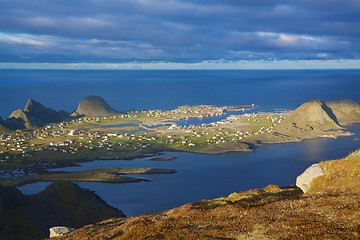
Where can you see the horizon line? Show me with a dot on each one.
(204, 65)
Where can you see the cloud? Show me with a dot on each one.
(20, 39)
(178, 31)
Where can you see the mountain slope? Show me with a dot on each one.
(94, 106)
(3, 128)
(61, 203)
(34, 115)
(313, 114)
(340, 176)
(269, 213)
(33, 106)
(346, 111)
(311, 120)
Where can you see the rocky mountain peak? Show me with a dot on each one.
(34, 106)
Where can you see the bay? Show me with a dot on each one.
(199, 176)
(202, 176)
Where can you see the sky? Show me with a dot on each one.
(179, 34)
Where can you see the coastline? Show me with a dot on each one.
(41, 168)
(235, 133)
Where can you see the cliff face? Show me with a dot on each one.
(34, 115)
(61, 203)
(329, 211)
(94, 106)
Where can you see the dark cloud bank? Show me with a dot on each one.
(178, 31)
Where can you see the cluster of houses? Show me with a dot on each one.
(200, 111)
(19, 143)
(16, 143)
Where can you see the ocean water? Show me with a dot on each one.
(202, 176)
(166, 89)
(199, 176)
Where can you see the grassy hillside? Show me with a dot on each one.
(330, 211)
(340, 176)
(346, 111)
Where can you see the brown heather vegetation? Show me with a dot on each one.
(330, 211)
(340, 176)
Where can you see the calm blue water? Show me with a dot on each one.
(209, 176)
(199, 176)
(139, 90)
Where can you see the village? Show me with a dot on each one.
(136, 132)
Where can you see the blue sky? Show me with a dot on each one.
(179, 34)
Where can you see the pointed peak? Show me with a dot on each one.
(33, 106)
(315, 100)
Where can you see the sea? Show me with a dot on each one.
(166, 89)
(198, 176)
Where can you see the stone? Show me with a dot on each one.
(304, 180)
(59, 231)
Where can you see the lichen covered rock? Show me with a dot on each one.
(304, 180)
(59, 231)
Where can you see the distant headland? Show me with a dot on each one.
(38, 138)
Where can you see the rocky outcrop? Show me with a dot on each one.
(94, 106)
(304, 180)
(34, 115)
(33, 106)
(59, 231)
(60, 204)
(18, 120)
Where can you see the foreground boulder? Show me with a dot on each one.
(59, 231)
(304, 180)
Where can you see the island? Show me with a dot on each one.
(107, 175)
(40, 145)
(37, 140)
